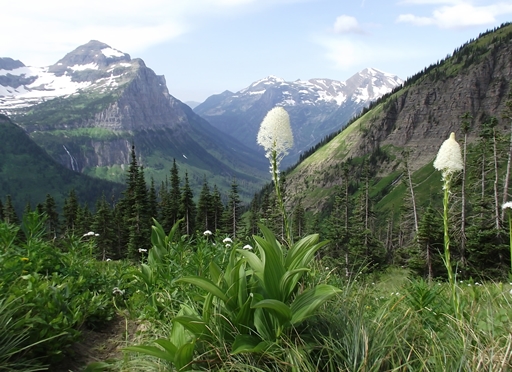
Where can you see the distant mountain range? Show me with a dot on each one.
(317, 107)
(87, 109)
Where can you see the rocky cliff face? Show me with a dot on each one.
(420, 116)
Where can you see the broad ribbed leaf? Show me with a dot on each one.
(302, 252)
(151, 350)
(290, 280)
(253, 261)
(278, 308)
(243, 320)
(157, 234)
(273, 269)
(250, 344)
(184, 356)
(215, 273)
(193, 324)
(205, 284)
(265, 324)
(168, 346)
(308, 301)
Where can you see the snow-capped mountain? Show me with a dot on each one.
(94, 67)
(317, 107)
(89, 108)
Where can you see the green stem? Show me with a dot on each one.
(275, 177)
(447, 256)
(510, 238)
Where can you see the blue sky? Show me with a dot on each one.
(204, 47)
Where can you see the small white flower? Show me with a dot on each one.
(449, 158)
(248, 247)
(108, 259)
(90, 233)
(207, 233)
(117, 291)
(228, 245)
(96, 234)
(227, 240)
(142, 250)
(507, 205)
(510, 292)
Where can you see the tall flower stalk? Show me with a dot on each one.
(448, 162)
(275, 135)
(507, 207)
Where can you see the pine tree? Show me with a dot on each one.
(430, 241)
(188, 207)
(204, 215)
(217, 209)
(152, 201)
(172, 212)
(52, 217)
(9, 212)
(233, 212)
(337, 227)
(70, 212)
(102, 224)
(2, 214)
(139, 221)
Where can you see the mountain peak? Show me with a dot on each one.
(93, 54)
(10, 64)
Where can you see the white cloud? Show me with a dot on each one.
(345, 24)
(41, 32)
(348, 55)
(458, 14)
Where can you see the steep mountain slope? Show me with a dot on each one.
(88, 108)
(418, 118)
(27, 173)
(317, 107)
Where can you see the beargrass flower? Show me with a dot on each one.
(142, 250)
(90, 233)
(275, 134)
(207, 233)
(449, 161)
(276, 137)
(449, 157)
(247, 247)
(227, 240)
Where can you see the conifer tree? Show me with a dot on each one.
(69, 212)
(83, 220)
(172, 212)
(188, 207)
(152, 201)
(204, 215)
(465, 126)
(102, 225)
(337, 226)
(9, 212)
(254, 216)
(233, 211)
(430, 239)
(217, 209)
(139, 220)
(52, 217)
(2, 215)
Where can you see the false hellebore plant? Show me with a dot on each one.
(259, 295)
(448, 162)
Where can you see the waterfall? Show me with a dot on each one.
(74, 163)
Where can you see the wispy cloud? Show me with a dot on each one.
(455, 14)
(345, 24)
(55, 27)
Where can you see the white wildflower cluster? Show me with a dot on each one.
(227, 240)
(507, 205)
(247, 247)
(207, 233)
(90, 233)
(117, 291)
(142, 250)
(275, 134)
(449, 158)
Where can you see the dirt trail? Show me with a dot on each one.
(98, 345)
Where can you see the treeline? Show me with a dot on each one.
(122, 227)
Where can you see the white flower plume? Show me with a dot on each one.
(449, 158)
(275, 133)
(507, 205)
